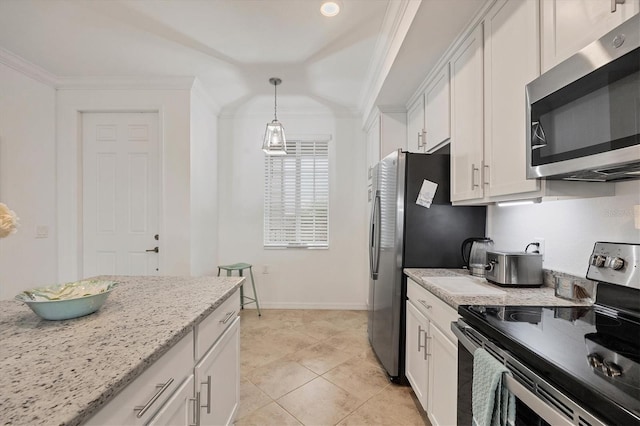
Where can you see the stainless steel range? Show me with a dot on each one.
(570, 365)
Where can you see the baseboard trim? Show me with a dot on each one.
(325, 306)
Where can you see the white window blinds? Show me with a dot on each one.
(296, 196)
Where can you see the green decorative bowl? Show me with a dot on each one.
(66, 301)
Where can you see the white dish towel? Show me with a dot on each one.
(492, 403)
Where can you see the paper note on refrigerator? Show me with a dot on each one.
(426, 194)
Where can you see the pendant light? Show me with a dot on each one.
(274, 141)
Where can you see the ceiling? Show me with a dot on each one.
(234, 46)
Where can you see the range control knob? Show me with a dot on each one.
(598, 260)
(616, 263)
(611, 369)
(595, 360)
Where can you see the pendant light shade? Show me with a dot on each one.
(274, 142)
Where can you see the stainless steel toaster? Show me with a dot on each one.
(514, 269)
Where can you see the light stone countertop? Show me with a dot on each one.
(62, 372)
(541, 296)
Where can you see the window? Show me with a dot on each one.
(296, 196)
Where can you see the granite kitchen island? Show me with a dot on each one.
(63, 372)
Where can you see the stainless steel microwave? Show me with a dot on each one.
(583, 115)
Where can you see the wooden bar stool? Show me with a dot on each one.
(241, 267)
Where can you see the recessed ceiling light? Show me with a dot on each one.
(330, 8)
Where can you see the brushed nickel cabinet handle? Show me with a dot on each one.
(614, 5)
(474, 185)
(228, 317)
(420, 331)
(208, 383)
(485, 174)
(196, 410)
(424, 303)
(143, 409)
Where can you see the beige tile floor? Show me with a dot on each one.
(316, 367)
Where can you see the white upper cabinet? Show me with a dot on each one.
(415, 126)
(511, 53)
(570, 25)
(437, 111)
(429, 117)
(466, 119)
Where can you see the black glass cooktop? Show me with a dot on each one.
(590, 353)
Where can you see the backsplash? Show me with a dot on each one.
(569, 227)
(570, 286)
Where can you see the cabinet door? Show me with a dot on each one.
(179, 409)
(217, 378)
(416, 357)
(467, 119)
(510, 62)
(437, 113)
(570, 25)
(443, 379)
(415, 126)
(142, 398)
(373, 143)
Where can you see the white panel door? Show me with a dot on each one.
(443, 379)
(415, 126)
(510, 62)
(121, 178)
(467, 151)
(217, 378)
(437, 111)
(570, 25)
(416, 356)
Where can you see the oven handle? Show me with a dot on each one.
(533, 401)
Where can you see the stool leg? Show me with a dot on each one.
(255, 294)
(241, 291)
(218, 271)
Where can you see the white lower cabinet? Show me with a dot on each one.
(174, 391)
(142, 398)
(431, 356)
(179, 409)
(218, 379)
(416, 359)
(442, 379)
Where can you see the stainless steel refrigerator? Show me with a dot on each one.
(404, 234)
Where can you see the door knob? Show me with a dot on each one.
(155, 250)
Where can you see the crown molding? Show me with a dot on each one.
(126, 83)
(283, 113)
(26, 68)
(396, 24)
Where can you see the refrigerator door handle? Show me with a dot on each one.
(376, 237)
(372, 232)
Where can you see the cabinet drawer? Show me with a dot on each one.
(212, 327)
(438, 312)
(161, 379)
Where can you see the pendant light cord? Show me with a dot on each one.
(275, 101)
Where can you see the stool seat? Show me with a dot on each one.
(240, 267)
(235, 266)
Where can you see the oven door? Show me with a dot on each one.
(537, 402)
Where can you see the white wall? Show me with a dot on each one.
(173, 106)
(569, 227)
(297, 278)
(27, 181)
(204, 184)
